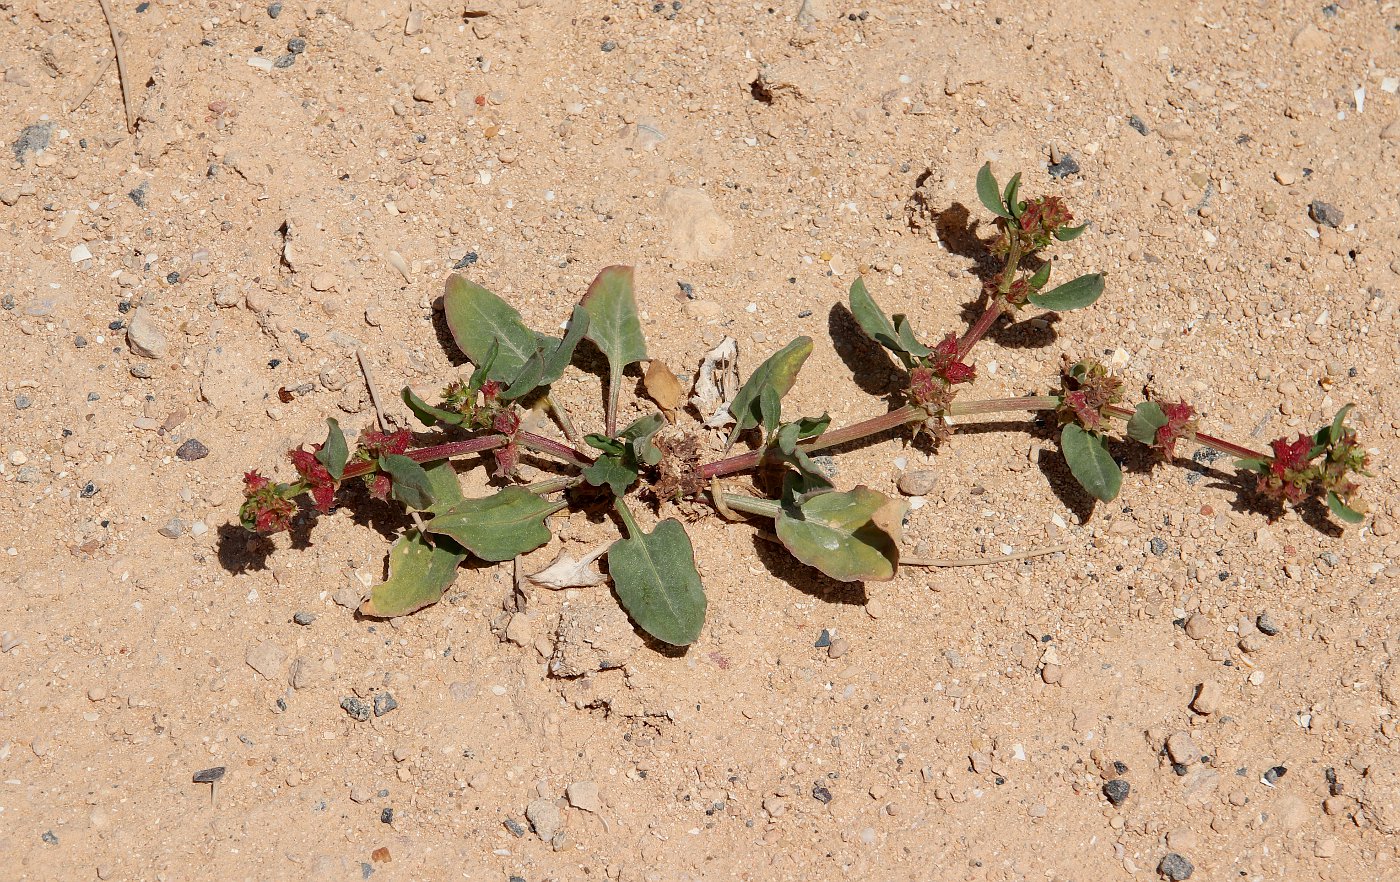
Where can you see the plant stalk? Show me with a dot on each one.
(998, 405)
(550, 447)
(909, 413)
(433, 453)
(767, 508)
(1203, 439)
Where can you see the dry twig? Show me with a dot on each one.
(118, 41)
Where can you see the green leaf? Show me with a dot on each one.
(811, 427)
(1338, 427)
(616, 472)
(604, 444)
(333, 453)
(1147, 418)
(482, 371)
(1041, 276)
(1069, 234)
(1011, 196)
(905, 332)
(1071, 295)
(419, 573)
(1258, 466)
(656, 580)
(638, 438)
(447, 490)
(1342, 510)
(429, 415)
(477, 318)
(874, 322)
(778, 372)
(770, 408)
(851, 536)
(548, 364)
(614, 327)
(1090, 462)
(499, 527)
(409, 483)
(989, 192)
(784, 446)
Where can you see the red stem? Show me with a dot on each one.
(1203, 439)
(550, 447)
(432, 453)
(979, 328)
(909, 413)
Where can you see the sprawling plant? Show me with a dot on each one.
(850, 535)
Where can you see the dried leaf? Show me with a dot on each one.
(716, 384)
(566, 572)
(663, 388)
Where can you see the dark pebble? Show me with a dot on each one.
(1158, 545)
(172, 279)
(80, 341)
(1330, 10)
(383, 703)
(820, 793)
(1067, 166)
(1137, 124)
(192, 450)
(89, 490)
(274, 10)
(1116, 791)
(142, 7)
(516, 879)
(1175, 867)
(1272, 775)
(1120, 767)
(116, 325)
(93, 396)
(1325, 213)
(296, 45)
(7, 302)
(209, 776)
(824, 640)
(49, 837)
(1266, 625)
(123, 306)
(303, 618)
(1180, 769)
(355, 708)
(284, 61)
(366, 869)
(386, 816)
(23, 402)
(608, 46)
(515, 827)
(467, 260)
(806, 313)
(139, 195)
(32, 139)
(687, 289)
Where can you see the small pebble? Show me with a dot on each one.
(28, 475)
(516, 828)
(358, 710)
(1272, 775)
(838, 648)
(820, 793)
(283, 62)
(141, 371)
(274, 10)
(1067, 166)
(209, 776)
(1207, 700)
(1182, 748)
(23, 402)
(191, 450)
(544, 817)
(1175, 867)
(383, 703)
(1158, 546)
(608, 46)
(919, 482)
(386, 816)
(1325, 213)
(583, 795)
(174, 528)
(1116, 791)
(1266, 625)
(96, 693)
(49, 837)
(361, 795)
(303, 618)
(1197, 627)
(144, 338)
(823, 639)
(296, 45)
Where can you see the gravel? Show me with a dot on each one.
(1325, 213)
(383, 703)
(1116, 791)
(209, 776)
(358, 710)
(1266, 625)
(1067, 166)
(303, 618)
(191, 450)
(1175, 867)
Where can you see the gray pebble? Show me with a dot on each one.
(141, 371)
(296, 45)
(357, 709)
(1137, 124)
(1325, 213)
(820, 793)
(516, 828)
(303, 618)
(28, 474)
(1067, 166)
(31, 140)
(7, 302)
(1267, 625)
(608, 45)
(139, 195)
(1158, 545)
(285, 61)
(23, 402)
(49, 837)
(1116, 791)
(209, 776)
(174, 528)
(825, 463)
(1175, 867)
(383, 703)
(823, 640)
(274, 10)
(192, 450)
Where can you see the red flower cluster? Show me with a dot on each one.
(264, 508)
(1042, 218)
(1180, 424)
(1087, 389)
(946, 364)
(317, 479)
(376, 444)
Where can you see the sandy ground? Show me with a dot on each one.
(302, 183)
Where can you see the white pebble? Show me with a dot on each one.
(79, 253)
